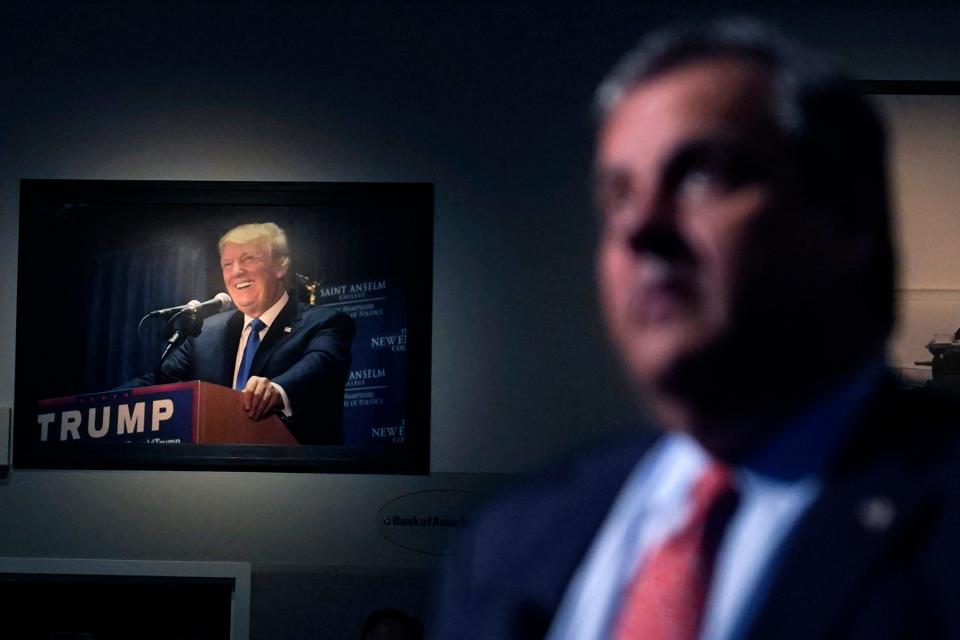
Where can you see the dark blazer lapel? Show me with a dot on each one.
(881, 487)
(844, 534)
(289, 316)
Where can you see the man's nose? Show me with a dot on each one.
(654, 227)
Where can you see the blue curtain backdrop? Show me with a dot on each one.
(128, 283)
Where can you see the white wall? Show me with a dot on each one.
(926, 154)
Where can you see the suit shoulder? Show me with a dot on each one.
(515, 560)
(920, 425)
(560, 506)
(581, 476)
(222, 318)
(328, 320)
(321, 314)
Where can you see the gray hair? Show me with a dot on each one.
(738, 38)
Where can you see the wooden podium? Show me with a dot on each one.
(220, 419)
(183, 412)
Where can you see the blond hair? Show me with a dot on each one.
(270, 234)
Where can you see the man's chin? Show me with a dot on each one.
(662, 361)
(245, 308)
(243, 301)
(694, 383)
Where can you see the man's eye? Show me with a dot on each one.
(713, 177)
(613, 196)
(226, 265)
(701, 181)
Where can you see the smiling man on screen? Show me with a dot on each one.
(286, 357)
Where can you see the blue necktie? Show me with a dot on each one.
(253, 341)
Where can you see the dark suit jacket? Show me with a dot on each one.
(876, 556)
(310, 362)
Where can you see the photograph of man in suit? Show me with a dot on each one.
(286, 357)
(746, 276)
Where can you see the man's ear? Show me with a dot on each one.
(282, 268)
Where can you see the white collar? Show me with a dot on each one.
(268, 316)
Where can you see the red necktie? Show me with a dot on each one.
(666, 598)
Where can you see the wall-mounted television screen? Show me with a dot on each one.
(240, 325)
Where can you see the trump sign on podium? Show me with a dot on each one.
(181, 413)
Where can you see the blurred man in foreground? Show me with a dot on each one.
(742, 195)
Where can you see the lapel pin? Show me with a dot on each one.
(876, 514)
(287, 329)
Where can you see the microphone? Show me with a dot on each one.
(172, 310)
(216, 304)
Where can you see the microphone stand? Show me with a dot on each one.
(183, 325)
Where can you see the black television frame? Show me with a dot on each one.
(91, 206)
